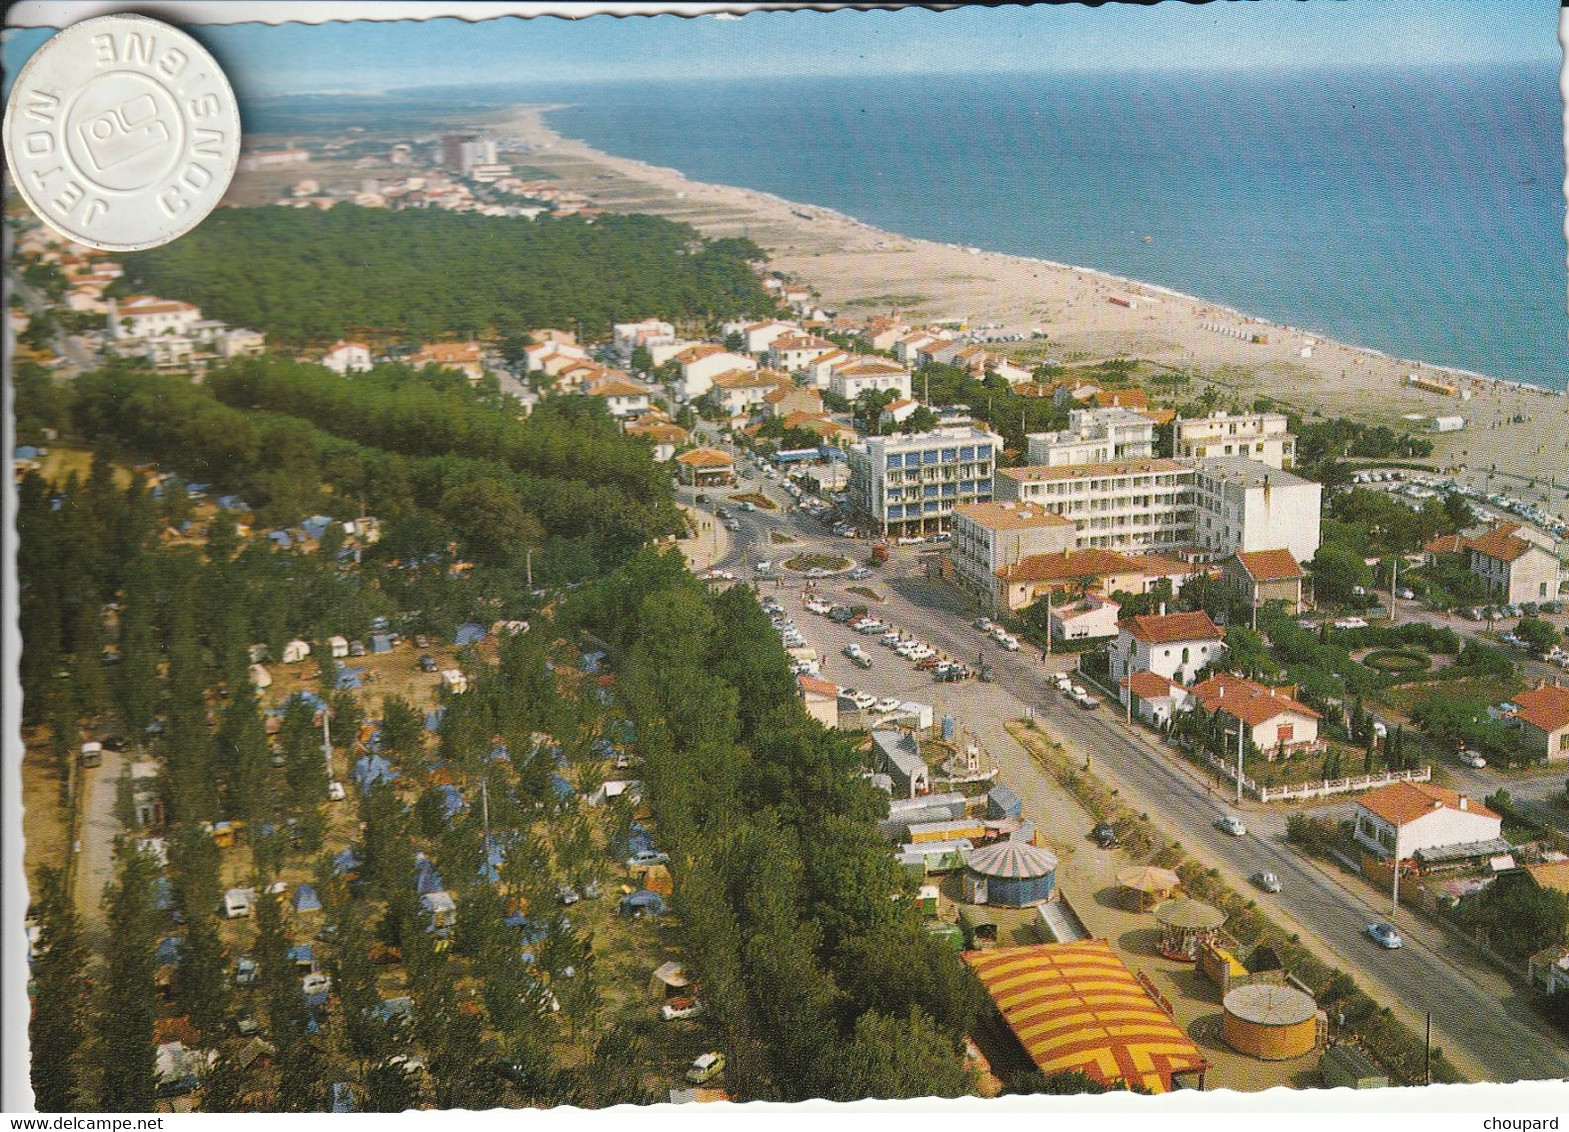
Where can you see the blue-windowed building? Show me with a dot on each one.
(909, 485)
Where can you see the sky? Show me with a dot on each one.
(375, 56)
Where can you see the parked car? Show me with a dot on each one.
(427, 663)
(1384, 935)
(861, 660)
(1266, 880)
(1473, 759)
(860, 573)
(678, 1008)
(886, 705)
(1105, 835)
(1232, 825)
(643, 858)
(1087, 702)
(705, 1067)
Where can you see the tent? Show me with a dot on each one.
(346, 862)
(26, 452)
(295, 651)
(347, 678)
(440, 910)
(499, 754)
(371, 769)
(433, 719)
(260, 677)
(315, 702)
(316, 526)
(642, 903)
(426, 878)
(232, 503)
(302, 955)
(280, 538)
(306, 900)
(170, 949)
(451, 800)
(339, 646)
(564, 789)
(469, 633)
(381, 643)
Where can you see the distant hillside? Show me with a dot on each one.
(307, 276)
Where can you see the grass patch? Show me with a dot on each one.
(868, 594)
(1488, 689)
(1397, 661)
(779, 537)
(902, 301)
(758, 500)
(817, 562)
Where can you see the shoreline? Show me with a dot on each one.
(1512, 427)
(539, 114)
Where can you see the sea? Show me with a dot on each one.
(1415, 211)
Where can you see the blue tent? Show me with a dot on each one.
(169, 949)
(451, 800)
(604, 748)
(311, 698)
(426, 878)
(348, 678)
(642, 903)
(380, 623)
(381, 643)
(306, 900)
(26, 452)
(281, 538)
(562, 787)
(400, 1009)
(371, 769)
(346, 862)
(302, 955)
(163, 894)
(197, 490)
(499, 754)
(593, 661)
(433, 719)
(373, 740)
(232, 503)
(470, 632)
(316, 526)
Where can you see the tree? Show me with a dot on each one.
(1337, 571)
(128, 1010)
(1522, 918)
(1538, 635)
(58, 1026)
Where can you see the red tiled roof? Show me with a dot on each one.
(1252, 703)
(1445, 544)
(1091, 563)
(1401, 803)
(1499, 544)
(1151, 685)
(817, 687)
(1157, 629)
(1270, 565)
(705, 458)
(1545, 708)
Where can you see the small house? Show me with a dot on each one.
(1002, 802)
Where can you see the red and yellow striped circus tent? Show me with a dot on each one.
(1077, 1006)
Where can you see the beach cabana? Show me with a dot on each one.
(1186, 926)
(1143, 886)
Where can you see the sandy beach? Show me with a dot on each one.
(1519, 432)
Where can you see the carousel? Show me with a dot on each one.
(1141, 887)
(1186, 926)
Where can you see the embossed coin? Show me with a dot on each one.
(122, 133)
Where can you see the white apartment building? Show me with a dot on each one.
(756, 337)
(1095, 436)
(909, 485)
(1241, 505)
(856, 377)
(144, 316)
(1174, 645)
(628, 336)
(1126, 505)
(701, 364)
(1265, 437)
(987, 537)
(791, 352)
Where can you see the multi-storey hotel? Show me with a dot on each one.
(1126, 505)
(1265, 437)
(1095, 436)
(909, 485)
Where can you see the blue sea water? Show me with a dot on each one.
(1416, 211)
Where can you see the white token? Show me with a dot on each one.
(122, 133)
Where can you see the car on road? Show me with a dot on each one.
(747, 505)
(678, 1008)
(1266, 880)
(852, 650)
(886, 705)
(644, 858)
(705, 1067)
(1473, 759)
(1384, 935)
(862, 700)
(1061, 682)
(861, 660)
(1105, 835)
(1087, 702)
(840, 614)
(1232, 825)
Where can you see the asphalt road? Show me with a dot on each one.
(1485, 1020)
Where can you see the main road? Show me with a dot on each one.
(1484, 1019)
